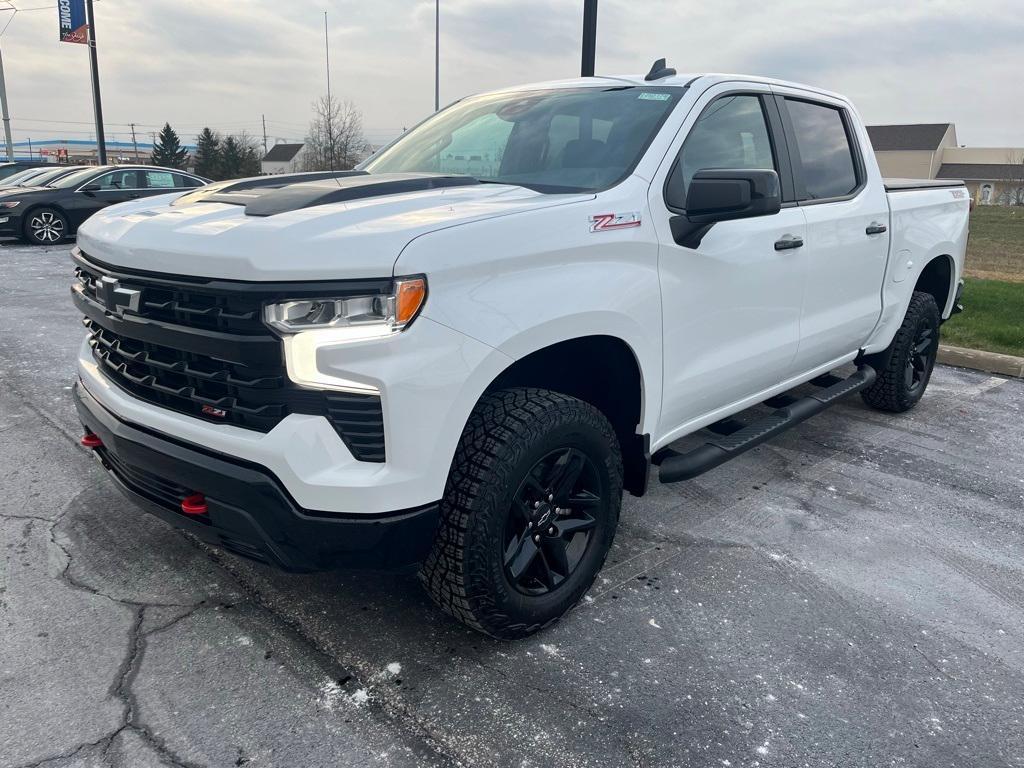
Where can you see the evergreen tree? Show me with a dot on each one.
(167, 151)
(230, 158)
(208, 151)
(239, 157)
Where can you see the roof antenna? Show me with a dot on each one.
(659, 70)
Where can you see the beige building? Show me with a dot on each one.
(994, 175)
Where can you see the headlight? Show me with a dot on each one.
(10, 203)
(365, 316)
(309, 326)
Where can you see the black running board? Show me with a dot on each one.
(720, 448)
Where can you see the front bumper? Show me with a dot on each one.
(249, 511)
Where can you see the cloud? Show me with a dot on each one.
(226, 64)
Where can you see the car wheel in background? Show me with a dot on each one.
(45, 226)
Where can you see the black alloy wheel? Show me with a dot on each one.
(549, 524)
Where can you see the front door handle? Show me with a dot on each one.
(874, 228)
(788, 242)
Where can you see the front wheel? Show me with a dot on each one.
(529, 512)
(45, 226)
(910, 358)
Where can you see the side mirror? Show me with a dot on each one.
(721, 195)
(89, 188)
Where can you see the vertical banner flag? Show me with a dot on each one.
(73, 27)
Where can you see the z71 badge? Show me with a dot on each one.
(604, 222)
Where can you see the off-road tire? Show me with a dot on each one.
(465, 572)
(891, 391)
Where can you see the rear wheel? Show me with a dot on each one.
(45, 226)
(910, 358)
(529, 512)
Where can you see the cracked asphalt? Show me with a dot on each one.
(850, 594)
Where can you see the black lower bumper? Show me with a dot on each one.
(249, 511)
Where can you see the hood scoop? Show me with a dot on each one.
(339, 190)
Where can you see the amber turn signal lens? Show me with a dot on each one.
(409, 296)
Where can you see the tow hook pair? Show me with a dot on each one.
(193, 504)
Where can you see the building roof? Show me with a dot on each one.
(920, 136)
(283, 153)
(982, 171)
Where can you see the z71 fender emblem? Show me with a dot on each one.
(604, 222)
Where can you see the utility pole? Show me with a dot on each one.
(589, 38)
(437, 55)
(135, 146)
(101, 144)
(6, 114)
(264, 135)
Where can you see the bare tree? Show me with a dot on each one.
(335, 140)
(1015, 182)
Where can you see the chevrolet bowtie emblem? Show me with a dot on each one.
(115, 298)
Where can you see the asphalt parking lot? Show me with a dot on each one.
(851, 594)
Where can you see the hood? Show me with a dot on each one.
(295, 235)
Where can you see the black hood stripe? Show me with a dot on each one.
(267, 196)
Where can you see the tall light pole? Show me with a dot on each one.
(101, 144)
(437, 55)
(6, 114)
(589, 38)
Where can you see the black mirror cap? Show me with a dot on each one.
(91, 188)
(723, 195)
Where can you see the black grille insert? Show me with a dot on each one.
(203, 350)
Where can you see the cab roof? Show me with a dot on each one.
(705, 80)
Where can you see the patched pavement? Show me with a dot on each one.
(850, 594)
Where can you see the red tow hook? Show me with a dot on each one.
(91, 440)
(194, 504)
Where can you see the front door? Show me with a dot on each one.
(731, 305)
(114, 187)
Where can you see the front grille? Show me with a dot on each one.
(201, 348)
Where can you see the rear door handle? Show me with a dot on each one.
(874, 228)
(788, 242)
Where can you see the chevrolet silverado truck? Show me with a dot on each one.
(458, 356)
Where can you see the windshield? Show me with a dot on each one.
(570, 140)
(74, 179)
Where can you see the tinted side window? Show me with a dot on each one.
(824, 147)
(730, 133)
(186, 181)
(119, 180)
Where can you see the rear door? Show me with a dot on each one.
(731, 305)
(847, 217)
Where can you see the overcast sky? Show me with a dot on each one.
(224, 63)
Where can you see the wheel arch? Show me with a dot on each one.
(938, 278)
(602, 370)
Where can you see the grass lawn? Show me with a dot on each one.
(993, 317)
(995, 250)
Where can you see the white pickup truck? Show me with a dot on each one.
(459, 355)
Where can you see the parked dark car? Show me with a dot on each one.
(48, 214)
(37, 177)
(9, 169)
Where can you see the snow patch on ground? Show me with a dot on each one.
(550, 650)
(394, 668)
